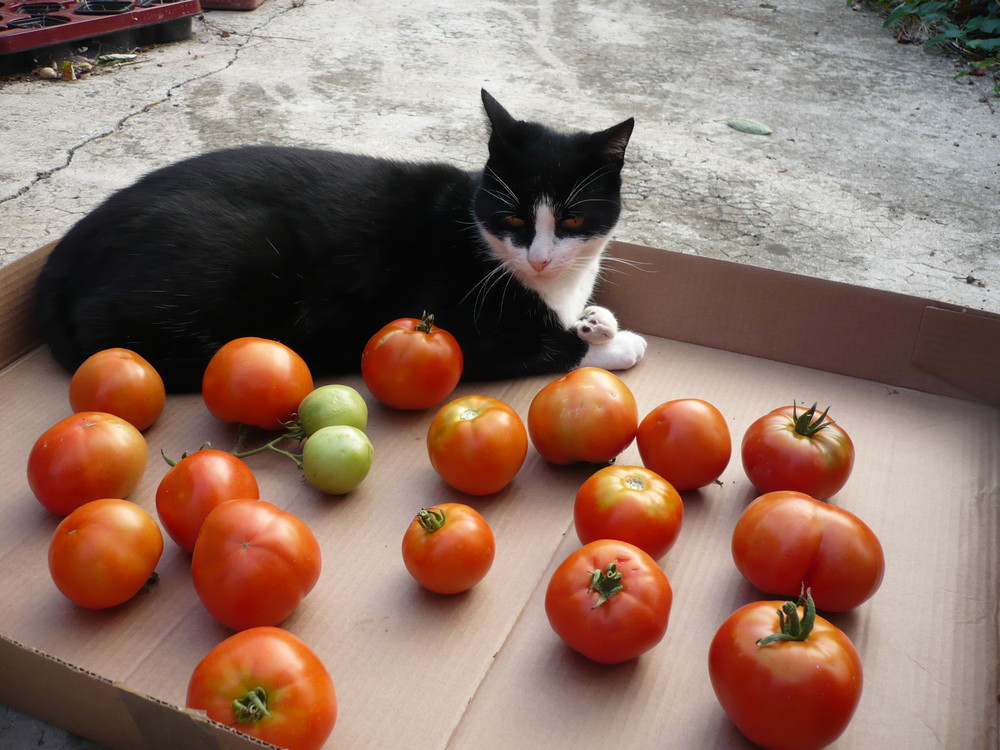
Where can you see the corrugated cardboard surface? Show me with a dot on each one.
(483, 669)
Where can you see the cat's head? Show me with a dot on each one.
(549, 200)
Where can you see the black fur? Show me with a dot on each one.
(319, 250)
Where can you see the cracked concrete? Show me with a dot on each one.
(882, 169)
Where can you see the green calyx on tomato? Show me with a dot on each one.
(252, 707)
(805, 424)
(426, 322)
(792, 627)
(606, 583)
(431, 520)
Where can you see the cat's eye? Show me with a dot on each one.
(572, 222)
(513, 221)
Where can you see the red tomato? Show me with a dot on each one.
(104, 552)
(253, 563)
(268, 684)
(88, 456)
(632, 504)
(587, 415)
(686, 442)
(448, 548)
(477, 444)
(256, 382)
(412, 364)
(794, 449)
(784, 540)
(193, 486)
(797, 691)
(119, 382)
(609, 600)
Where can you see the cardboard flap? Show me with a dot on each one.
(865, 333)
(962, 347)
(65, 696)
(17, 294)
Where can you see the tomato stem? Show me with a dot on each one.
(805, 425)
(295, 432)
(252, 707)
(431, 519)
(426, 322)
(606, 583)
(793, 628)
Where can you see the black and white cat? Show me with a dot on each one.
(320, 249)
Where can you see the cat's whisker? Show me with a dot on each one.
(585, 182)
(638, 265)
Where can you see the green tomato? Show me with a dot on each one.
(336, 459)
(331, 405)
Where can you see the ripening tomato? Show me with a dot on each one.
(256, 382)
(588, 415)
(794, 449)
(784, 540)
(192, 488)
(630, 503)
(412, 364)
(448, 548)
(793, 691)
(477, 444)
(104, 552)
(336, 459)
(268, 684)
(119, 382)
(609, 600)
(253, 563)
(88, 456)
(685, 441)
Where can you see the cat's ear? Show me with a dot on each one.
(612, 142)
(500, 118)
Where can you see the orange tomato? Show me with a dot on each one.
(120, 382)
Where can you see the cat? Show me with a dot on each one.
(320, 249)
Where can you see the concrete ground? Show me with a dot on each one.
(882, 170)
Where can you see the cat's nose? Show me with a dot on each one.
(539, 265)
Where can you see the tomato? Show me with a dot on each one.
(588, 415)
(253, 563)
(477, 444)
(609, 600)
(412, 364)
(630, 503)
(686, 442)
(88, 456)
(784, 540)
(119, 382)
(795, 691)
(268, 684)
(336, 459)
(794, 449)
(104, 552)
(448, 548)
(193, 486)
(331, 405)
(256, 382)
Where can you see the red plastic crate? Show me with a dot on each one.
(231, 4)
(28, 24)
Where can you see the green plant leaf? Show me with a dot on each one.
(744, 125)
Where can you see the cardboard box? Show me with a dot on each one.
(916, 384)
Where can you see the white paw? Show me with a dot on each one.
(625, 350)
(596, 325)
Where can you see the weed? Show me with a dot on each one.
(968, 28)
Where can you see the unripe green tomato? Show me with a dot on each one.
(336, 459)
(331, 405)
